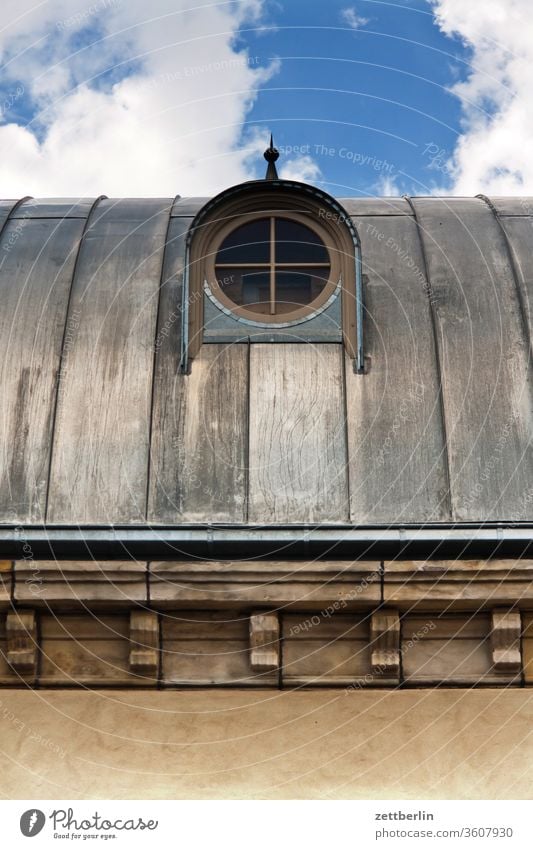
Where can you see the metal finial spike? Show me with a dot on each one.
(271, 155)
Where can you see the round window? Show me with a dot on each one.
(272, 268)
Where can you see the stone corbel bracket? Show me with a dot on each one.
(385, 642)
(21, 633)
(505, 641)
(6, 584)
(264, 641)
(145, 643)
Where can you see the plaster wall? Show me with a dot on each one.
(451, 744)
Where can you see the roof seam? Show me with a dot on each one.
(516, 276)
(437, 356)
(62, 350)
(10, 215)
(154, 358)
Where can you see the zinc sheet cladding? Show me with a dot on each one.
(99, 427)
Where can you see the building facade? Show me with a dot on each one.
(266, 502)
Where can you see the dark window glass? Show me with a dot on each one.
(249, 243)
(299, 263)
(246, 287)
(297, 243)
(256, 290)
(298, 287)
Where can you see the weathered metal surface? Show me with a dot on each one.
(375, 206)
(292, 543)
(198, 471)
(397, 449)
(483, 356)
(109, 401)
(54, 208)
(222, 326)
(519, 233)
(297, 453)
(7, 207)
(37, 261)
(167, 377)
(199, 420)
(513, 205)
(188, 207)
(101, 441)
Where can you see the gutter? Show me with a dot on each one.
(290, 542)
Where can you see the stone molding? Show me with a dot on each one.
(266, 623)
(303, 585)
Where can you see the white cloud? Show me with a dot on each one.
(350, 17)
(302, 168)
(493, 153)
(386, 187)
(155, 106)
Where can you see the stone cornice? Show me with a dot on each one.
(303, 585)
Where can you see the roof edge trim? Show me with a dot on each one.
(274, 185)
(288, 542)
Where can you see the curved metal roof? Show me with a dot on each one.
(98, 426)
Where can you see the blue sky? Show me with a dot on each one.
(373, 105)
(126, 98)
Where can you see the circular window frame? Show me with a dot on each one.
(295, 316)
(283, 198)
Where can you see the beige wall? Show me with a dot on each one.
(267, 744)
